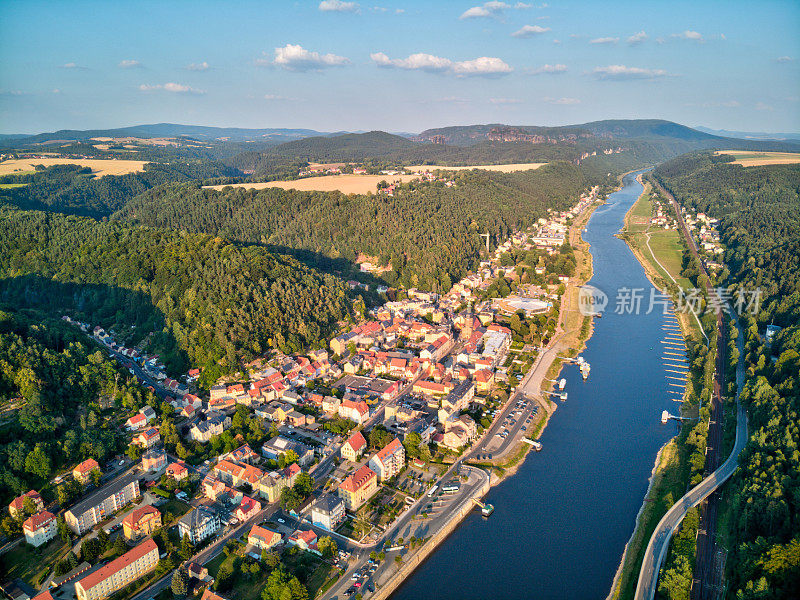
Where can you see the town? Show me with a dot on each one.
(340, 463)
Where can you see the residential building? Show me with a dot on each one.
(358, 487)
(280, 445)
(204, 430)
(136, 422)
(389, 461)
(84, 470)
(354, 447)
(154, 460)
(272, 484)
(263, 538)
(17, 505)
(100, 505)
(119, 573)
(148, 438)
(40, 528)
(247, 509)
(141, 522)
(235, 474)
(305, 540)
(199, 524)
(327, 511)
(457, 400)
(355, 411)
(178, 470)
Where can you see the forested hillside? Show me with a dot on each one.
(427, 232)
(74, 190)
(198, 299)
(57, 383)
(759, 212)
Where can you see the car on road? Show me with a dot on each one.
(281, 520)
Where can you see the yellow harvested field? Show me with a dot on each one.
(501, 168)
(99, 167)
(347, 184)
(759, 159)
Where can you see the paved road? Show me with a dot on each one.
(659, 542)
(405, 527)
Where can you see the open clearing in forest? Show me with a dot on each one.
(759, 159)
(99, 167)
(347, 184)
(501, 168)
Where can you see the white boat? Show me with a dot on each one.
(585, 368)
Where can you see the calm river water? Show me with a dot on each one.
(561, 523)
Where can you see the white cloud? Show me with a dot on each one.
(529, 31)
(338, 6)
(129, 64)
(72, 65)
(621, 73)
(784, 59)
(203, 66)
(505, 100)
(482, 66)
(491, 9)
(605, 40)
(562, 101)
(763, 106)
(56, 91)
(689, 35)
(175, 88)
(293, 57)
(637, 38)
(548, 70)
(274, 97)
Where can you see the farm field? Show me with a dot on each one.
(759, 159)
(501, 168)
(99, 167)
(347, 184)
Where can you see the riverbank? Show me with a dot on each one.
(548, 358)
(670, 473)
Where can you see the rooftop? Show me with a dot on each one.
(118, 564)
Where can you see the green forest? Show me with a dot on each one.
(75, 190)
(204, 301)
(759, 212)
(427, 232)
(57, 388)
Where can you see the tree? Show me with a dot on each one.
(120, 547)
(180, 583)
(62, 495)
(327, 545)
(37, 462)
(270, 558)
(11, 527)
(287, 458)
(28, 506)
(187, 550)
(304, 484)
(91, 549)
(291, 498)
(373, 555)
(63, 530)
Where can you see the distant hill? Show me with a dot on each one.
(467, 135)
(200, 132)
(751, 135)
(346, 147)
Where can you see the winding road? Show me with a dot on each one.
(659, 541)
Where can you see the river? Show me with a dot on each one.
(561, 522)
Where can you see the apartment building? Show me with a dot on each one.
(40, 528)
(100, 505)
(358, 487)
(199, 524)
(389, 461)
(118, 573)
(141, 522)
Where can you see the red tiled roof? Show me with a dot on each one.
(388, 450)
(265, 534)
(118, 564)
(87, 466)
(357, 441)
(355, 481)
(37, 521)
(135, 518)
(17, 503)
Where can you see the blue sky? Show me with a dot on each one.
(397, 66)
